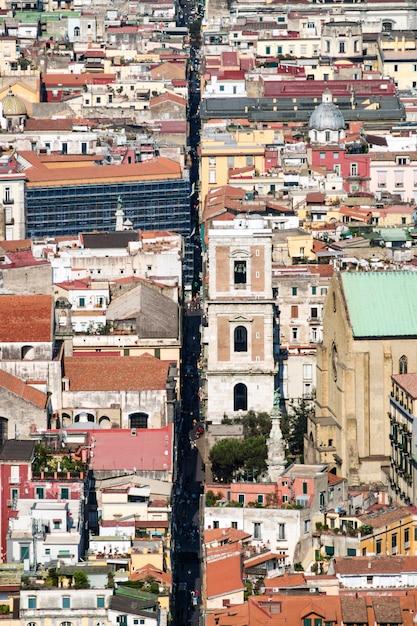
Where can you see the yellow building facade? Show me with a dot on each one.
(367, 330)
(394, 533)
(231, 151)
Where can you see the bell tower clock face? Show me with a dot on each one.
(335, 361)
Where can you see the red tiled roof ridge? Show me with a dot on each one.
(144, 372)
(26, 318)
(158, 167)
(20, 388)
(172, 97)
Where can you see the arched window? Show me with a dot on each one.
(76, 31)
(28, 353)
(241, 339)
(240, 397)
(66, 419)
(403, 365)
(138, 420)
(4, 423)
(104, 421)
(84, 417)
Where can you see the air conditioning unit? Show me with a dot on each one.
(133, 432)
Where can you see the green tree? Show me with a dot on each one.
(255, 424)
(42, 458)
(226, 458)
(52, 578)
(294, 425)
(212, 498)
(154, 587)
(80, 580)
(255, 453)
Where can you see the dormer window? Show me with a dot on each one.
(402, 160)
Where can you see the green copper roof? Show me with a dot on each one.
(393, 234)
(381, 304)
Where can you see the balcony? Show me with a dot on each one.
(314, 320)
(8, 201)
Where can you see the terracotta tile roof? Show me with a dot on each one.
(22, 258)
(379, 517)
(262, 558)
(168, 97)
(229, 59)
(354, 610)
(19, 388)
(95, 53)
(15, 245)
(295, 608)
(171, 127)
(232, 75)
(372, 565)
(224, 575)
(122, 29)
(356, 213)
(281, 610)
(78, 283)
(317, 198)
(76, 80)
(319, 246)
(224, 535)
(408, 382)
(49, 159)
(239, 171)
(151, 570)
(323, 270)
(62, 124)
(237, 615)
(154, 169)
(141, 523)
(118, 449)
(131, 373)
(26, 319)
(387, 610)
(285, 581)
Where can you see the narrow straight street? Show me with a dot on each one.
(187, 491)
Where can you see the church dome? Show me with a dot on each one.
(327, 116)
(12, 105)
